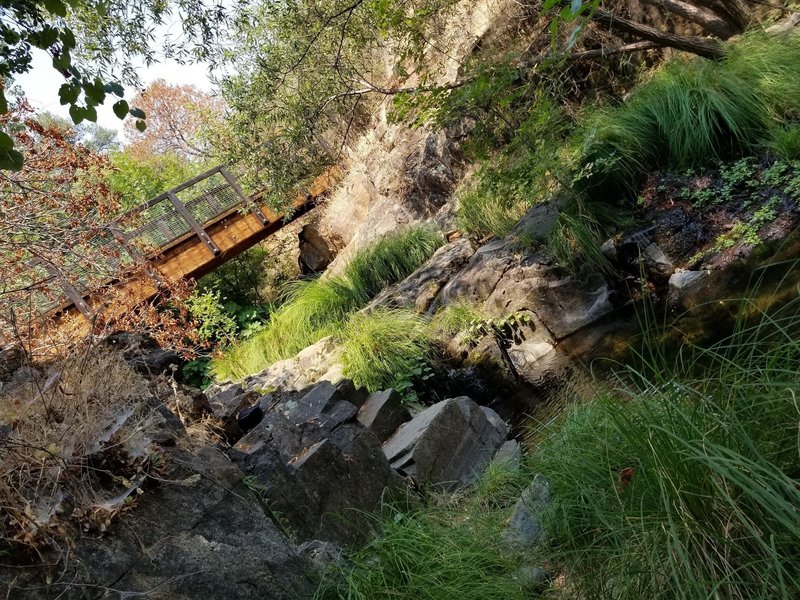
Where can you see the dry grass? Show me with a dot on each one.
(73, 449)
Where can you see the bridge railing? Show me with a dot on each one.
(142, 232)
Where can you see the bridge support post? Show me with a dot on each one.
(245, 200)
(189, 218)
(70, 291)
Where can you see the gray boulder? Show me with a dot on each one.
(420, 289)
(200, 533)
(382, 413)
(448, 444)
(525, 528)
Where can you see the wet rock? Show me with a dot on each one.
(525, 528)
(448, 444)
(382, 413)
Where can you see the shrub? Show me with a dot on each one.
(381, 347)
(317, 308)
(683, 484)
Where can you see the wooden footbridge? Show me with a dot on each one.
(182, 233)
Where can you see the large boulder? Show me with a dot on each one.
(199, 533)
(448, 445)
(420, 289)
(316, 465)
(382, 413)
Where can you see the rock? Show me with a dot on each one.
(200, 533)
(448, 444)
(321, 554)
(317, 466)
(507, 280)
(143, 353)
(509, 455)
(536, 225)
(323, 491)
(382, 413)
(11, 359)
(226, 401)
(525, 528)
(531, 576)
(249, 417)
(420, 289)
(682, 281)
(315, 252)
(310, 366)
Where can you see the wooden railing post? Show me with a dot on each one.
(245, 200)
(124, 241)
(69, 290)
(189, 218)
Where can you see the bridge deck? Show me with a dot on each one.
(185, 232)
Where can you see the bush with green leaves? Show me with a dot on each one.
(319, 307)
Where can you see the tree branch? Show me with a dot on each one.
(705, 47)
(712, 23)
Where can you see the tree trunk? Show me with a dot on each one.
(734, 12)
(711, 22)
(705, 47)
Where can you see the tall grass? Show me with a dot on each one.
(317, 308)
(382, 346)
(443, 549)
(683, 482)
(692, 111)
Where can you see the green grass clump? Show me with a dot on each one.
(381, 347)
(684, 483)
(692, 111)
(318, 308)
(445, 549)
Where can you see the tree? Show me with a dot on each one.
(98, 139)
(93, 45)
(51, 212)
(181, 120)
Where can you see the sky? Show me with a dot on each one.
(41, 84)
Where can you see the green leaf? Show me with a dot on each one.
(120, 109)
(548, 4)
(76, 114)
(56, 7)
(68, 93)
(114, 88)
(137, 113)
(90, 114)
(95, 94)
(10, 159)
(45, 37)
(67, 38)
(140, 125)
(3, 103)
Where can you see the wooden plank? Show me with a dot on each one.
(189, 218)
